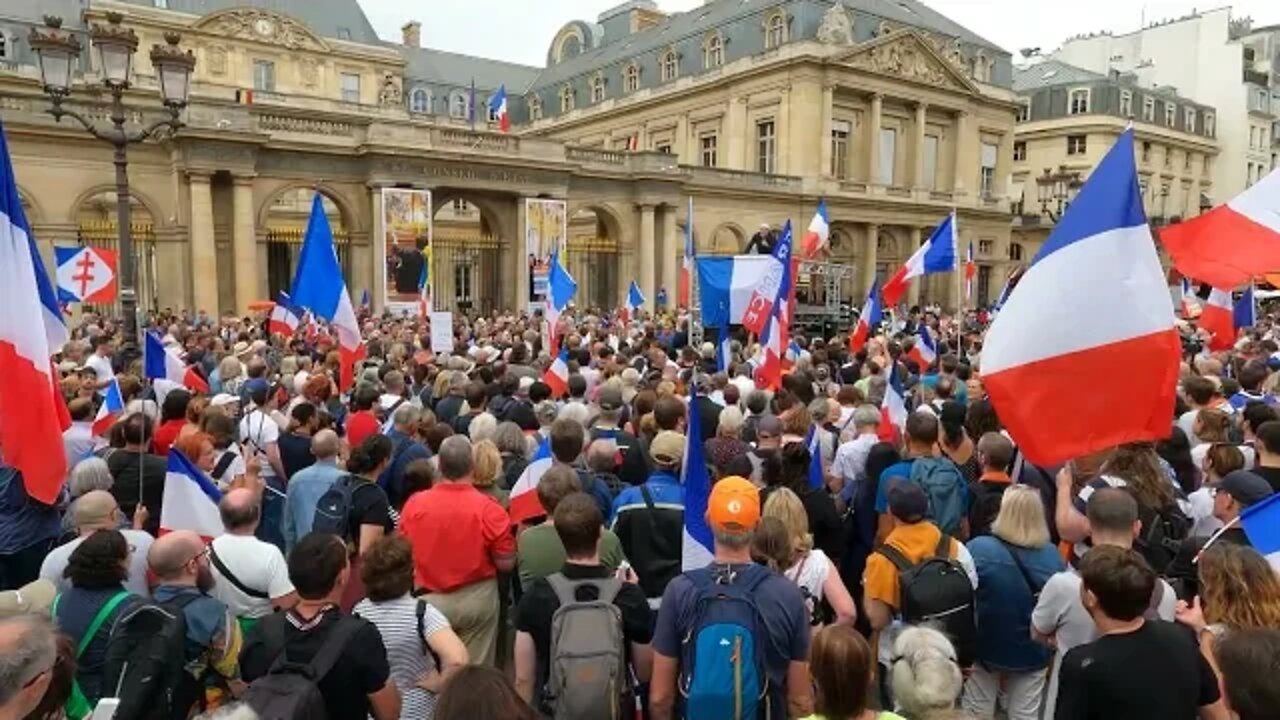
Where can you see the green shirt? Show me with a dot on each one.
(540, 553)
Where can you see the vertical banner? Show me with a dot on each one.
(406, 222)
(546, 232)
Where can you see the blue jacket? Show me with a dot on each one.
(652, 539)
(1005, 602)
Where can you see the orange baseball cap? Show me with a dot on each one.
(734, 505)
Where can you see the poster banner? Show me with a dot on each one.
(441, 332)
(406, 222)
(546, 232)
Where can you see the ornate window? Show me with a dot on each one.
(670, 63)
(713, 51)
(1079, 102)
(597, 88)
(535, 108)
(420, 101)
(566, 99)
(458, 105)
(631, 78)
(775, 30)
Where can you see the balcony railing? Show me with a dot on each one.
(595, 155)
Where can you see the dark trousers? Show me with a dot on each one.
(18, 569)
(271, 527)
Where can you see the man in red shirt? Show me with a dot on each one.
(362, 423)
(461, 540)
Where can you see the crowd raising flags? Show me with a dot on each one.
(936, 255)
(32, 413)
(285, 317)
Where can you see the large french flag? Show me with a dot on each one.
(819, 231)
(1052, 337)
(32, 413)
(923, 351)
(685, 295)
(727, 285)
(285, 317)
(868, 320)
(524, 493)
(318, 286)
(557, 376)
(1229, 245)
(162, 363)
(776, 337)
(1216, 320)
(970, 272)
(109, 411)
(561, 287)
(698, 544)
(498, 106)
(936, 255)
(635, 298)
(893, 409)
(190, 499)
(765, 296)
(1245, 312)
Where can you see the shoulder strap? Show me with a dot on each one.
(101, 617)
(648, 498)
(224, 463)
(944, 547)
(896, 557)
(563, 588)
(331, 650)
(231, 578)
(1026, 576)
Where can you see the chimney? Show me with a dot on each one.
(412, 33)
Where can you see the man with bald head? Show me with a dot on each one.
(250, 576)
(307, 485)
(97, 510)
(180, 562)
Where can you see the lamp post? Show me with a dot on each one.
(1057, 190)
(57, 52)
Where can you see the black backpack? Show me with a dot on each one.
(145, 663)
(937, 591)
(333, 510)
(1163, 533)
(289, 690)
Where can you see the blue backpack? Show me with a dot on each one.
(722, 669)
(945, 487)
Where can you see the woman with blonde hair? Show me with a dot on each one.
(488, 466)
(811, 570)
(1014, 562)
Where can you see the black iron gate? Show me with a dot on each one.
(106, 235)
(467, 274)
(593, 263)
(283, 248)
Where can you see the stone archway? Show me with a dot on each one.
(283, 218)
(595, 245)
(467, 242)
(95, 218)
(727, 239)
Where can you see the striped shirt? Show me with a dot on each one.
(397, 621)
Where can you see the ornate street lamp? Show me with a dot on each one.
(1057, 190)
(57, 52)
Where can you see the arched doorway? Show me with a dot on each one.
(96, 226)
(592, 257)
(286, 227)
(727, 239)
(466, 256)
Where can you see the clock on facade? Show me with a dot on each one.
(264, 27)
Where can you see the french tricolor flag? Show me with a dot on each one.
(32, 413)
(525, 504)
(1190, 301)
(1245, 312)
(697, 541)
(1038, 353)
(813, 442)
(923, 351)
(769, 291)
(498, 108)
(970, 272)
(112, 406)
(819, 231)
(162, 363)
(561, 287)
(686, 261)
(557, 376)
(284, 316)
(893, 409)
(1232, 243)
(190, 499)
(868, 321)
(936, 255)
(319, 287)
(1216, 320)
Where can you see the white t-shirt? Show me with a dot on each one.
(257, 565)
(101, 366)
(810, 573)
(235, 469)
(1059, 613)
(1202, 514)
(258, 431)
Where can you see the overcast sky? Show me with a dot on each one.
(521, 30)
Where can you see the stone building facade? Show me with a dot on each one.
(756, 110)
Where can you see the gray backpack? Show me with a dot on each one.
(588, 676)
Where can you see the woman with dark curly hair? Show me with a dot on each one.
(423, 649)
(87, 612)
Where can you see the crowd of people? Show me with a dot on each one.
(372, 562)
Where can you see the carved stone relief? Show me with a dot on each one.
(262, 26)
(906, 57)
(837, 26)
(390, 94)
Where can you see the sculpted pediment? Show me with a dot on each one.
(905, 54)
(262, 26)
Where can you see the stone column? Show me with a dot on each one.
(680, 143)
(868, 262)
(955, 284)
(204, 252)
(1004, 159)
(244, 243)
(919, 179)
(378, 248)
(645, 249)
(672, 249)
(735, 132)
(783, 145)
(521, 257)
(913, 292)
(824, 138)
(873, 140)
(962, 168)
